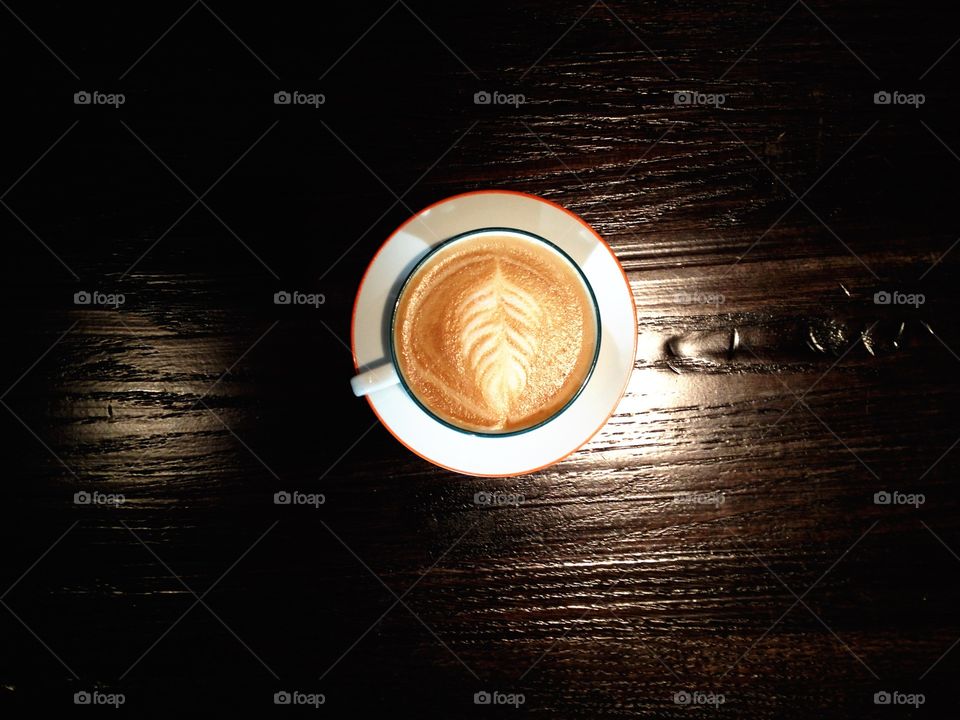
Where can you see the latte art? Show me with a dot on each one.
(495, 332)
(499, 336)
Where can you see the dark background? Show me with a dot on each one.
(720, 535)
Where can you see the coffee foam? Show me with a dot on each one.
(495, 333)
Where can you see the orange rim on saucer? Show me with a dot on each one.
(581, 221)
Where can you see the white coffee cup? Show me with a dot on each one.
(387, 373)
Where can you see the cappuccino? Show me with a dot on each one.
(495, 332)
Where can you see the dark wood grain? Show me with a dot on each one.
(719, 535)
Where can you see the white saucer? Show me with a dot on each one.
(544, 445)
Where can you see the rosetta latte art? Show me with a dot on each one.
(495, 333)
(499, 336)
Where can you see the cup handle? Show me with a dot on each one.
(376, 379)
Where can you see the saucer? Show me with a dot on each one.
(544, 445)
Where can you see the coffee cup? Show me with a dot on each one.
(494, 332)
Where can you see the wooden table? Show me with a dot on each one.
(719, 543)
